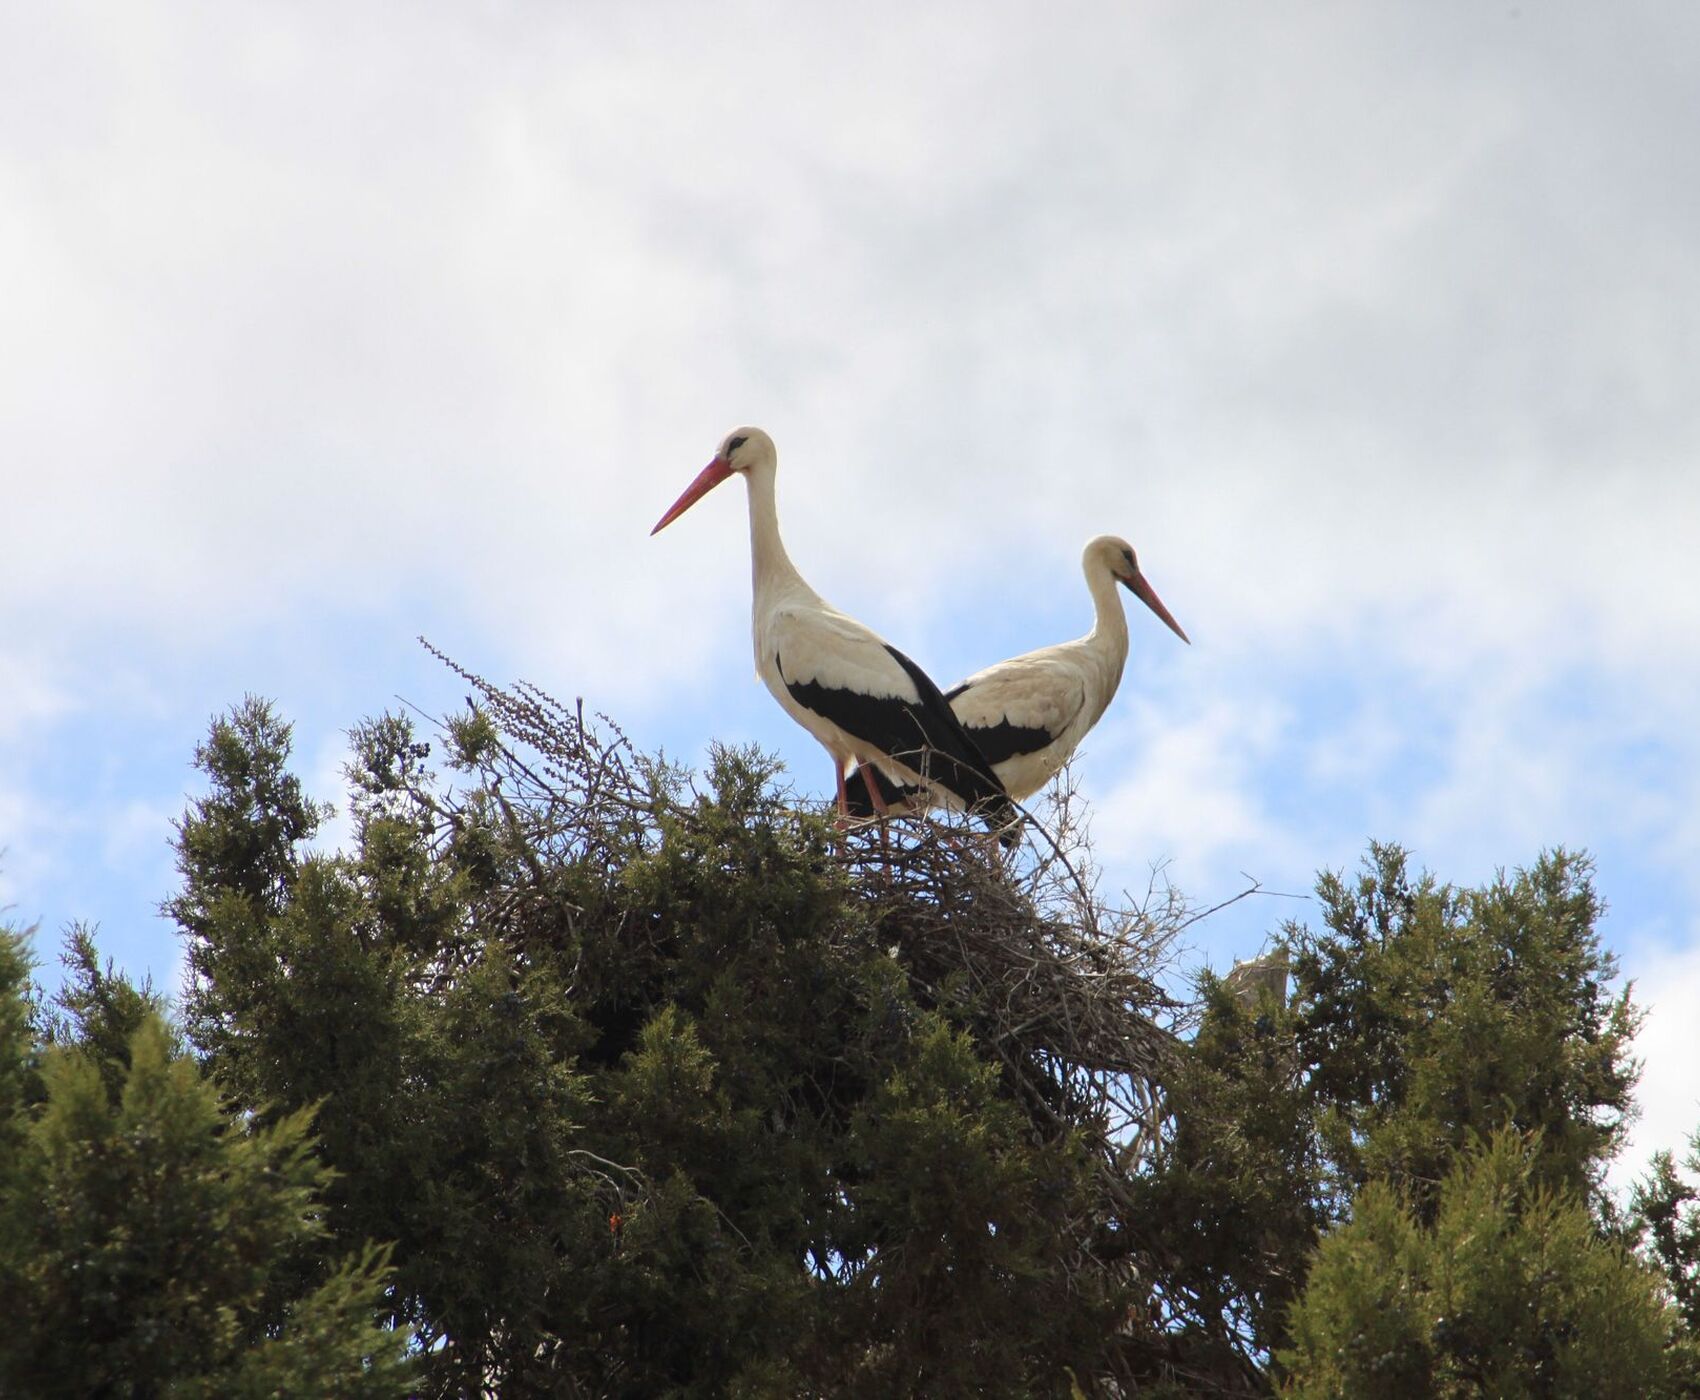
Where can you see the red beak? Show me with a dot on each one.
(1146, 594)
(707, 479)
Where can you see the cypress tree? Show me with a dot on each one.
(147, 1232)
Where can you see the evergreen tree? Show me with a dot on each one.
(661, 1092)
(146, 1232)
(20, 1070)
(1423, 1016)
(662, 1086)
(1664, 1219)
(1510, 1291)
(1429, 1015)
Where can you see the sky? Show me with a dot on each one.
(1375, 328)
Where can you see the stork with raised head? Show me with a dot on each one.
(1027, 714)
(860, 696)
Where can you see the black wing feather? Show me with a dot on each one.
(997, 744)
(924, 735)
(1003, 741)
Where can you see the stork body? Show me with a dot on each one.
(1028, 714)
(864, 700)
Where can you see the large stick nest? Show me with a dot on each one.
(1063, 986)
(1059, 983)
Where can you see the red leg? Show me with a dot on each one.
(843, 797)
(874, 790)
(881, 807)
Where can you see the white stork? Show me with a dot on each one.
(1027, 714)
(861, 697)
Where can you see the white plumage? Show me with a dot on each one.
(864, 700)
(1027, 715)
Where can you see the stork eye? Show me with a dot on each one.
(733, 444)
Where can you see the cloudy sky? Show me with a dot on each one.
(1375, 328)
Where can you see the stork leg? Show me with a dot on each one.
(843, 796)
(881, 807)
(873, 788)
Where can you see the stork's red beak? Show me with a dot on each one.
(707, 479)
(1141, 589)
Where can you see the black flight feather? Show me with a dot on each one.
(997, 744)
(1005, 740)
(925, 736)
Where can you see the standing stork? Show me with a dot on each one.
(860, 696)
(1027, 714)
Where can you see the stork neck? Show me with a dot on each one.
(1109, 624)
(770, 565)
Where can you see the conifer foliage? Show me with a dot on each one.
(147, 1233)
(1510, 1291)
(576, 1074)
(1423, 1019)
(659, 1089)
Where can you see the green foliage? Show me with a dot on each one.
(1235, 1197)
(657, 1086)
(99, 1012)
(20, 1081)
(145, 1231)
(1429, 1014)
(1511, 1291)
(1422, 1017)
(971, 1211)
(442, 1099)
(239, 842)
(631, 1080)
(1664, 1218)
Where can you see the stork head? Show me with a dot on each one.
(741, 450)
(744, 448)
(1112, 555)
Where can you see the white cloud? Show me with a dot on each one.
(33, 698)
(1667, 984)
(1189, 796)
(14, 810)
(449, 313)
(31, 695)
(1373, 328)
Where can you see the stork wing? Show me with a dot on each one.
(1020, 706)
(835, 667)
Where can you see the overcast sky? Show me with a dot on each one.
(1375, 328)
